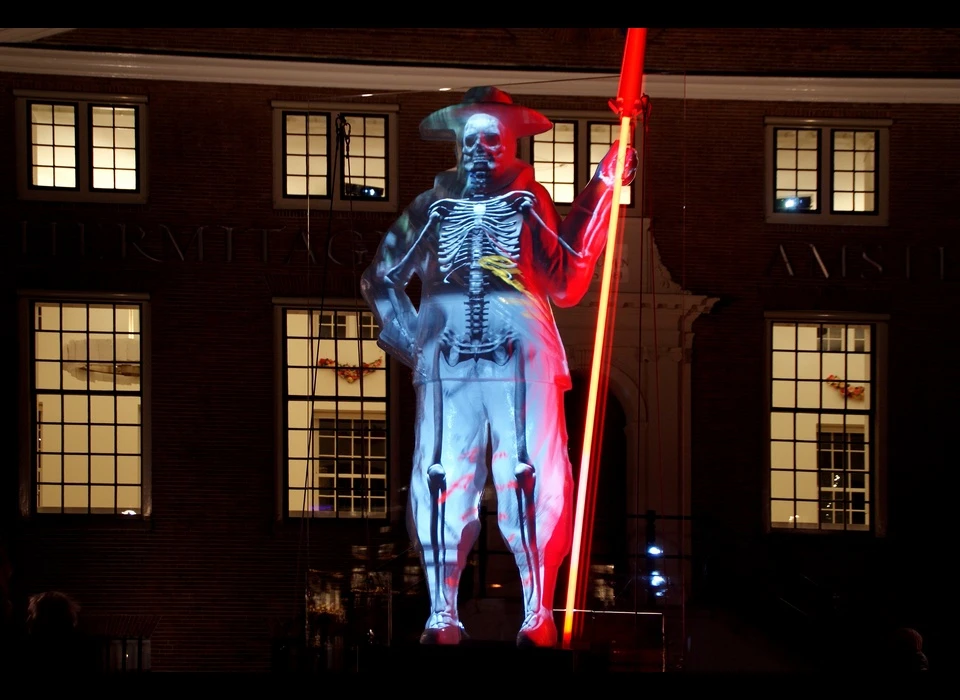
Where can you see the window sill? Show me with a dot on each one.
(30, 195)
(780, 532)
(876, 220)
(104, 523)
(324, 204)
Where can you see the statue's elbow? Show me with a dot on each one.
(570, 295)
(366, 286)
(373, 281)
(564, 300)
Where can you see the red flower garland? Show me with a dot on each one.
(350, 372)
(853, 392)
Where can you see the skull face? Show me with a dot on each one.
(486, 146)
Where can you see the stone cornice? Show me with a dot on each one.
(25, 34)
(355, 79)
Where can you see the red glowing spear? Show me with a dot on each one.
(626, 106)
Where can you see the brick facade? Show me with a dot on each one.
(225, 576)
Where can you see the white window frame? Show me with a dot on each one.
(84, 191)
(29, 463)
(335, 199)
(875, 414)
(583, 169)
(352, 497)
(286, 432)
(838, 490)
(825, 185)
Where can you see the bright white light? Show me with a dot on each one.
(657, 580)
(367, 94)
(790, 203)
(654, 551)
(445, 89)
(128, 512)
(659, 594)
(132, 322)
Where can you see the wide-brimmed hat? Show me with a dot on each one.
(445, 124)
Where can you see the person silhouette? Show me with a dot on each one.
(908, 655)
(53, 638)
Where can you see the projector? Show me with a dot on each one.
(351, 189)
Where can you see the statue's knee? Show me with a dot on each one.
(526, 477)
(437, 478)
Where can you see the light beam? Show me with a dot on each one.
(626, 105)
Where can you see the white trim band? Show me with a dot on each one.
(355, 80)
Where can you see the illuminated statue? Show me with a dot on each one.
(488, 364)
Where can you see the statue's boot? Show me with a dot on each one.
(441, 565)
(538, 581)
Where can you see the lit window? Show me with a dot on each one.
(602, 136)
(823, 421)
(365, 157)
(326, 157)
(335, 413)
(554, 161)
(306, 159)
(842, 455)
(53, 144)
(827, 172)
(86, 387)
(81, 147)
(566, 157)
(114, 148)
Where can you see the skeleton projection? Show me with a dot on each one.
(489, 369)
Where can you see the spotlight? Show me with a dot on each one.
(794, 203)
(654, 551)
